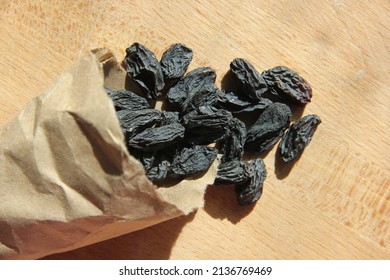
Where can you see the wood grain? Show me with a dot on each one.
(332, 204)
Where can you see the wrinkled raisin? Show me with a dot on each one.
(232, 145)
(142, 65)
(190, 161)
(133, 122)
(236, 103)
(251, 82)
(168, 117)
(251, 191)
(145, 158)
(124, 99)
(268, 128)
(175, 61)
(191, 82)
(286, 84)
(297, 137)
(233, 172)
(159, 169)
(155, 138)
(205, 96)
(206, 124)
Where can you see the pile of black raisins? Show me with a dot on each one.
(201, 121)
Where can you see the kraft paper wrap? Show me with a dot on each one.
(66, 178)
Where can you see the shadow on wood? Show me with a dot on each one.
(221, 203)
(152, 243)
(282, 169)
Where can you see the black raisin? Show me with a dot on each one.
(124, 99)
(268, 128)
(175, 61)
(251, 191)
(133, 122)
(251, 82)
(297, 137)
(191, 161)
(142, 65)
(159, 169)
(145, 158)
(191, 82)
(168, 117)
(286, 84)
(206, 124)
(205, 96)
(233, 172)
(236, 103)
(155, 138)
(156, 164)
(232, 145)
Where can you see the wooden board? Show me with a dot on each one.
(332, 204)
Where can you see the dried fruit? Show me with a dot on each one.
(268, 128)
(133, 122)
(206, 124)
(193, 81)
(251, 82)
(232, 146)
(173, 143)
(175, 61)
(156, 164)
(159, 169)
(205, 96)
(286, 84)
(190, 161)
(251, 191)
(297, 137)
(237, 103)
(142, 65)
(168, 117)
(233, 172)
(124, 99)
(155, 138)
(145, 158)
(159, 172)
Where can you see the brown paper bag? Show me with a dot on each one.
(66, 178)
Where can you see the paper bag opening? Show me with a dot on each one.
(66, 177)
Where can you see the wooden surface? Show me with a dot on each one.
(332, 204)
